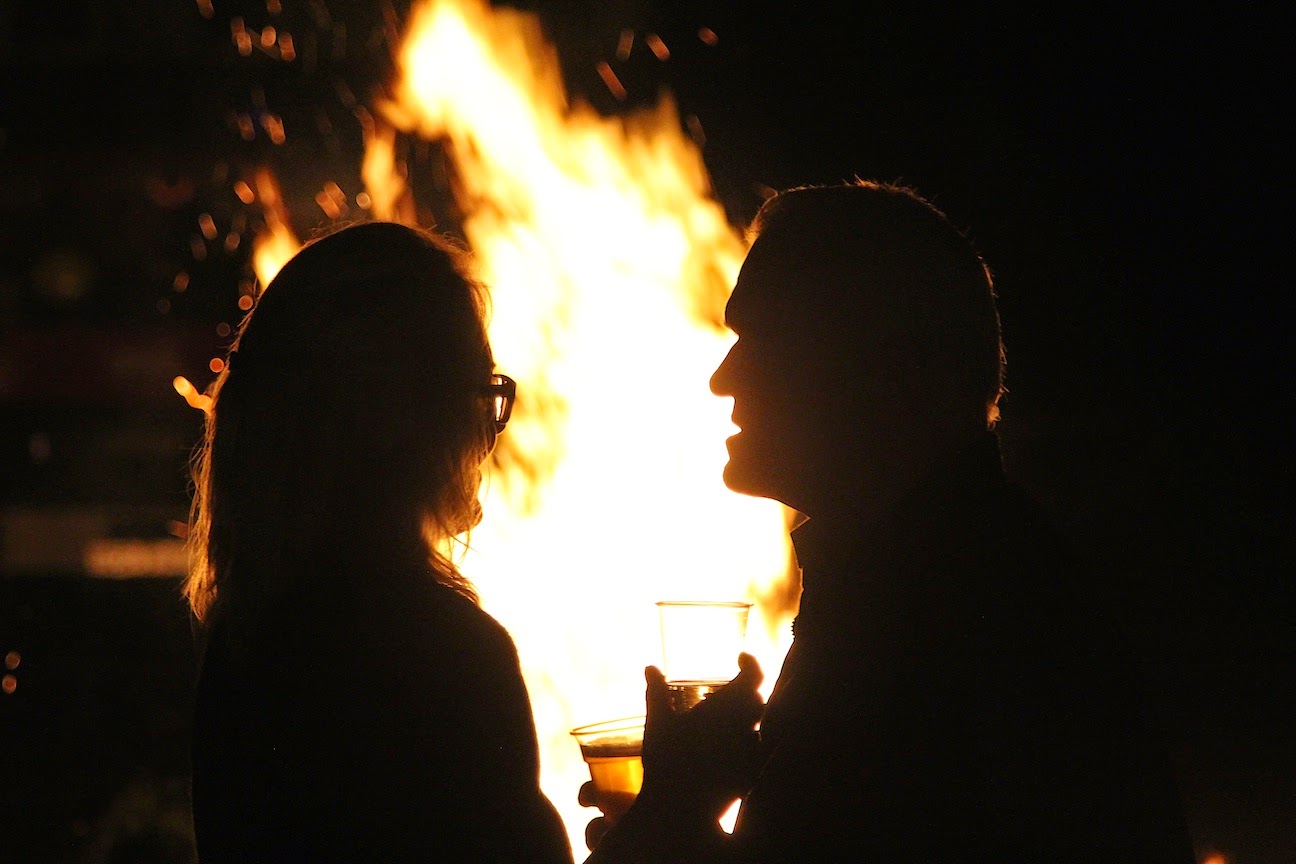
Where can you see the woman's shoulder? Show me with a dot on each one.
(431, 618)
(446, 605)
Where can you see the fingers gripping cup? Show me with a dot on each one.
(613, 750)
(701, 641)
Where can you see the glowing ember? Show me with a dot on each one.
(198, 400)
(625, 41)
(610, 79)
(610, 264)
(657, 46)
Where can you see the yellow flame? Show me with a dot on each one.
(609, 263)
(278, 243)
(389, 195)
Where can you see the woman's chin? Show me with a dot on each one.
(466, 522)
(474, 518)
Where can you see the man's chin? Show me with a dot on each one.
(741, 478)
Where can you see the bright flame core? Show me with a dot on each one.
(609, 264)
(277, 243)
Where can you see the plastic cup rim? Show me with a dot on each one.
(607, 726)
(719, 604)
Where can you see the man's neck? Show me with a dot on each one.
(912, 496)
(876, 484)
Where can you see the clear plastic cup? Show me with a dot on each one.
(701, 641)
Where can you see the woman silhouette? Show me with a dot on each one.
(354, 702)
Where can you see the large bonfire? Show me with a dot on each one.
(609, 263)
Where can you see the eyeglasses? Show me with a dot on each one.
(502, 390)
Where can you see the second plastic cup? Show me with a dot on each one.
(613, 750)
(701, 641)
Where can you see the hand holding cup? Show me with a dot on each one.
(698, 761)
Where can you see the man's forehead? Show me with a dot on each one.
(777, 282)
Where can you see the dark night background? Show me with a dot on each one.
(1125, 175)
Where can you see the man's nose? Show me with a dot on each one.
(720, 377)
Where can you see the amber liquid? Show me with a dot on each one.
(616, 767)
(685, 694)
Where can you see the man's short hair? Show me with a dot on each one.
(879, 259)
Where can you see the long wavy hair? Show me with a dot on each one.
(347, 431)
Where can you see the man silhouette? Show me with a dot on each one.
(953, 692)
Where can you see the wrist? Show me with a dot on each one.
(684, 811)
(648, 835)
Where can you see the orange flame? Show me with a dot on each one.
(277, 243)
(609, 263)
